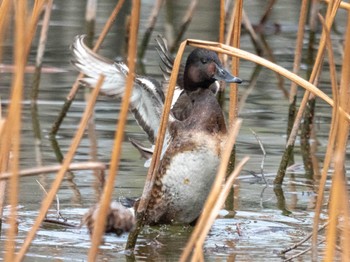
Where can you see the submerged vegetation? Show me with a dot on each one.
(233, 19)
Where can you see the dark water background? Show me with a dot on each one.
(260, 215)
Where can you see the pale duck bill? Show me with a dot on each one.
(224, 75)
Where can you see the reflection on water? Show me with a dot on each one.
(267, 219)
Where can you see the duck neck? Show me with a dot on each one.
(191, 86)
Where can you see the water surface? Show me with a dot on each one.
(262, 223)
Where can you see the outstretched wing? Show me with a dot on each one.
(147, 98)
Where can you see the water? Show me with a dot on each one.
(257, 230)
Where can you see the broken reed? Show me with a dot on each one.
(338, 129)
(216, 197)
(119, 135)
(10, 133)
(339, 210)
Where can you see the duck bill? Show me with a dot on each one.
(224, 75)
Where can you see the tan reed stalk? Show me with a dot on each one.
(151, 174)
(5, 10)
(54, 168)
(235, 39)
(119, 135)
(10, 137)
(12, 127)
(220, 48)
(215, 190)
(61, 173)
(69, 99)
(209, 220)
(342, 5)
(331, 11)
(331, 141)
(221, 37)
(149, 28)
(339, 212)
(3, 166)
(38, 5)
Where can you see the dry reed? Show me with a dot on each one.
(49, 169)
(234, 40)
(331, 11)
(115, 159)
(338, 211)
(10, 139)
(215, 199)
(331, 141)
(220, 48)
(272, 66)
(338, 229)
(151, 174)
(5, 10)
(61, 173)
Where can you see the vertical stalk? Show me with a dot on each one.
(331, 11)
(46, 203)
(339, 202)
(142, 208)
(234, 39)
(119, 135)
(13, 125)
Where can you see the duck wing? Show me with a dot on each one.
(147, 99)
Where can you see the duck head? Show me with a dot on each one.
(203, 68)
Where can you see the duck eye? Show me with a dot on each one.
(204, 61)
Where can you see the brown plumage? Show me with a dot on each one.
(119, 219)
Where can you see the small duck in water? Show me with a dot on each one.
(196, 130)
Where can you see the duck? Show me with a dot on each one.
(196, 132)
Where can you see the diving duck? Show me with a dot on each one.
(196, 131)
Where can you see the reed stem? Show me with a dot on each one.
(61, 173)
(119, 135)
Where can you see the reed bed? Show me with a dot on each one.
(337, 230)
